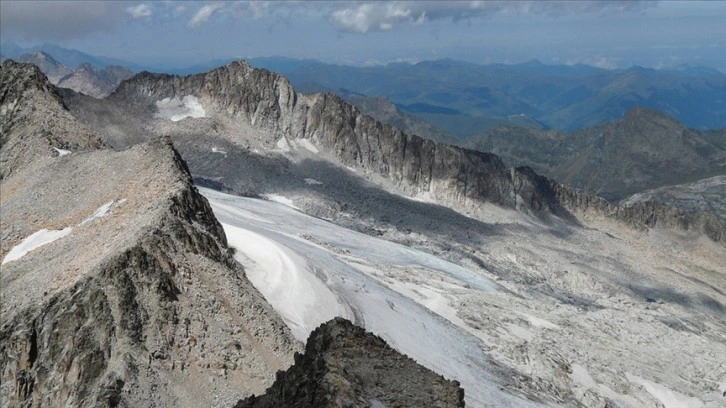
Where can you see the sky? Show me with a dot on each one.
(607, 34)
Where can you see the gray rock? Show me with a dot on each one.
(344, 366)
(141, 302)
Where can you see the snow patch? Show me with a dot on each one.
(313, 182)
(668, 397)
(176, 109)
(103, 210)
(283, 145)
(537, 322)
(281, 200)
(308, 145)
(35, 240)
(62, 152)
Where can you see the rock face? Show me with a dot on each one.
(34, 122)
(117, 285)
(264, 106)
(344, 366)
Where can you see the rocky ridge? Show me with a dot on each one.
(34, 122)
(127, 294)
(344, 366)
(268, 107)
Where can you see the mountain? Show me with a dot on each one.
(93, 81)
(34, 123)
(447, 92)
(526, 291)
(645, 149)
(53, 69)
(85, 78)
(118, 287)
(68, 57)
(264, 107)
(345, 366)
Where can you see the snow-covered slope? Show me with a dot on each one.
(538, 315)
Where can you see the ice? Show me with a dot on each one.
(310, 270)
(35, 240)
(176, 109)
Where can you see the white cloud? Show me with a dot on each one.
(139, 11)
(203, 14)
(362, 17)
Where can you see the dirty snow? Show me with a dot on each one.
(35, 240)
(176, 109)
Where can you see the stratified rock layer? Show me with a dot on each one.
(344, 366)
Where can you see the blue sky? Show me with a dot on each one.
(607, 34)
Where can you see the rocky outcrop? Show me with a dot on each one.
(117, 285)
(344, 366)
(460, 177)
(34, 122)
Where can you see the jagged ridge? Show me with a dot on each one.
(461, 177)
(141, 303)
(344, 366)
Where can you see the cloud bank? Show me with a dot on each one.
(362, 17)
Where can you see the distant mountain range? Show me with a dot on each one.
(466, 99)
(644, 149)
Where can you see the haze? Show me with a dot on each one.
(608, 34)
